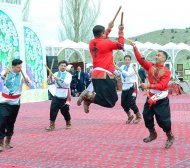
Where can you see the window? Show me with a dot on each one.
(179, 67)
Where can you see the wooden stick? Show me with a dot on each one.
(140, 80)
(121, 18)
(49, 70)
(116, 14)
(10, 61)
(52, 64)
(24, 77)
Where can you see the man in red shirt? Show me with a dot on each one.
(157, 103)
(104, 83)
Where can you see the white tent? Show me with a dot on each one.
(171, 48)
(82, 45)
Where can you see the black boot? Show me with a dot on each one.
(82, 96)
(138, 118)
(130, 117)
(51, 126)
(1, 145)
(8, 142)
(68, 124)
(170, 139)
(87, 101)
(152, 136)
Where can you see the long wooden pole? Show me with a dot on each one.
(122, 18)
(10, 61)
(24, 77)
(139, 78)
(52, 63)
(116, 14)
(49, 70)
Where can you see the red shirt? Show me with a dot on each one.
(158, 75)
(102, 51)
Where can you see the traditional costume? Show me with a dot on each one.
(129, 92)
(9, 105)
(103, 79)
(60, 99)
(157, 103)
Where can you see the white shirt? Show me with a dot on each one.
(128, 78)
(6, 91)
(60, 88)
(79, 75)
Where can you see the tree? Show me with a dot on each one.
(25, 10)
(78, 18)
(25, 4)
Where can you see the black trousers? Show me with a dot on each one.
(128, 101)
(8, 115)
(106, 93)
(161, 110)
(59, 104)
(80, 86)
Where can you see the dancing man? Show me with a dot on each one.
(129, 90)
(103, 80)
(157, 102)
(11, 81)
(61, 95)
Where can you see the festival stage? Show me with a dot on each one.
(100, 139)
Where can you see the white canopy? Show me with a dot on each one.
(67, 44)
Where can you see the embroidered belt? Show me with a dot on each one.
(102, 69)
(100, 73)
(61, 88)
(157, 95)
(10, 97)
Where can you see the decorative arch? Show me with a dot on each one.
(118, 55)
(128, 52)
(182, 62)
(34, 57)
(9, 39)
(74, 57)
(149, 53)
(73, 50)
(178, 51)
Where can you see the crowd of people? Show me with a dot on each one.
(80, 80)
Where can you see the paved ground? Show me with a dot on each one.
(100, 139)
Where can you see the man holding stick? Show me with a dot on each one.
(157, 103)
(61, 93)
(10, 101)
(104, 83)
(129, 90)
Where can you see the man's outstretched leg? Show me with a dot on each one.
(86, 94)
(87, 102)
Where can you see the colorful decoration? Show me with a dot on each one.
(8, 39)
(34, 57)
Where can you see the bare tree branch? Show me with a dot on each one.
(77, 18)
(25, 10)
